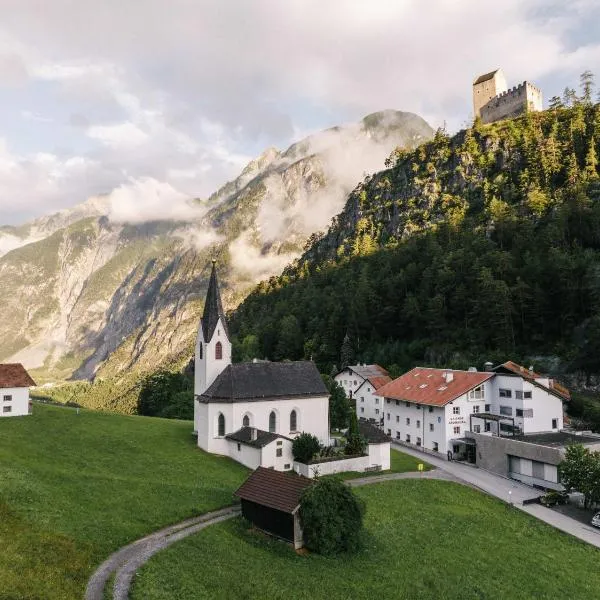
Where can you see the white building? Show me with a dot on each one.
(433, 409)
(14, 390)
(360, 382)
(252, 411)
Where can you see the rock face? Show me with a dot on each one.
(86, 297)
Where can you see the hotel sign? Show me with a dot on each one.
(457, 421)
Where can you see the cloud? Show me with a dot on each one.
(199, 239)
(9, 242)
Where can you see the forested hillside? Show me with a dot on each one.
(474, 247)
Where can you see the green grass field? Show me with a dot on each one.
(424, 540)
(75, 487)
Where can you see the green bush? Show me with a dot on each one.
(304, 447)
(331, 517)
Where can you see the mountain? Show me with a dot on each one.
(469, 248)
(92, 294)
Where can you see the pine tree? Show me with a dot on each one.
(572, 169)
(586, 84)
(555, 102)
(569, 97)
(346, 352)
(591, 162)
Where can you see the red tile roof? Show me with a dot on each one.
(14, 375)
(532, 376)
(281, 491)
(428, 386)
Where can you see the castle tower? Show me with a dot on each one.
(486, 87)
(213, 347)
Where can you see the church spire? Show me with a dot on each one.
(213, 308)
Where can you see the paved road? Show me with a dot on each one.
(498, 486)
(128, 559)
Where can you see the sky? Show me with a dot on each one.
(171, 98)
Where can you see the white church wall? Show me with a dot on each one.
(206, 365)
(270, 456)
(14, 402)
(247, 455)
(358, 463)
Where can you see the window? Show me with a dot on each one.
(456, 448)
(362, 398)
(221, 425)
(376, 400)
(355, 382)
(528, 412)
(417, 406)
(456, 410)
(272, 421)
(200, 351)
(527, 395)
(457, 429)
(376, 411)
(7, 409)
(418, 424)
(408, 438)
(488, 426)
(389, 432)
(246, 421)
(407, 404)
(431, 409)
(368, 389)
(506, 411)
(279, 443)
(476, 393)
(407, 421)
(397, 418)
(219, 351)
(431, 427)
(518, 394)
(476, 408)
(279, 452)
(488, 407)
(286, 466)
(477, 428)
(239, 447)
(293, 421)
(554, 423)
(397, 435)
(519, 412)
(388, 400)
(504, 393)
(397, 402)
(388, 416)
(7, 398)
(435, 447)
(418, 441)
(362, 409)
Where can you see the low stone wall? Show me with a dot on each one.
(331, 466)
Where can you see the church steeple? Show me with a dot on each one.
(213, 307)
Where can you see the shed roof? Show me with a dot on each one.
(423, 385)
(14, 375)
(263, 380)
(262, 438)
(275, 489)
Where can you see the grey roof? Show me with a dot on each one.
(557, 439)
(372, 434)
(262, 380)
(213, 307)
(262, 439)
(485, 77)
(367, 371)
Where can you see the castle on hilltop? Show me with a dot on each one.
(493, 101)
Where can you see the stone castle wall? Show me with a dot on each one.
(512, 103)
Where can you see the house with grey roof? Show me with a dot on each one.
(252, 411)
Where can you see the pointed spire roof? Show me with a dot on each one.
(213, 307)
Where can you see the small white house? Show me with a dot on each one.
(14, 390)
(254, 448)
(360, 382)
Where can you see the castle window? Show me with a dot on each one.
(272, 421)
(246, 421)
(221, 425)
(293, 421)
(219, 351)
(200, 351)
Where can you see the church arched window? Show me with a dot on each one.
(200, 351)
(219, 351)
(246, 421)
(221, 425)
(272, 421)
(293, 421)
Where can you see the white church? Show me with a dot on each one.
(251, 412)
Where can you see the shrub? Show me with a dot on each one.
(304, 447)
(355, 443)
(331, 517)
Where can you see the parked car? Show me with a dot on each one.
(596, 520)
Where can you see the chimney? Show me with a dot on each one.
(472, 369)
(449, 376)
(531, 368)
(488, 366)
(252, 434)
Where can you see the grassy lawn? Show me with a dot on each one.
(75, 487)
(399, 463)
(424, 539)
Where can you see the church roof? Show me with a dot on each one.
(485, 77)
(275, 489)
(265, 380)
(14, 375)
(213, 307)
(262, 439)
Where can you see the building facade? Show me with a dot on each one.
(360, 382)
(14, 390)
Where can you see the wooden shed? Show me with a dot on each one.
(271, 501)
